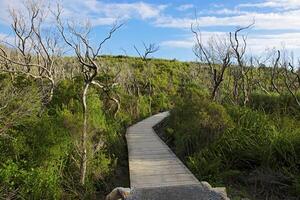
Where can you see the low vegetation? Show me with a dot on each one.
(254, 147)
(40, 155)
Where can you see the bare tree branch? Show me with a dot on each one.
(148, 50)
(78, 40)
(239, 46)
(215, 48)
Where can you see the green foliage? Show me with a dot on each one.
(257, 147)
(17, 103)
(196, 122)
(39, 156)
(25, 171)
(274, 103)
(37, 183)
(67, 93)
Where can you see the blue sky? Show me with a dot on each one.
(166, 23)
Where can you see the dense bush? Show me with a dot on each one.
(196, 122)
(38, 159)
(258, 145)
(39, 153)
(274, 103)
(254, 149)
(33, 158)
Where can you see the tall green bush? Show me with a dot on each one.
(256, 148)
(195, 122)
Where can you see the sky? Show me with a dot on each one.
(167, 23)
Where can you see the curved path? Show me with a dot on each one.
(155, 171)
(151, 162)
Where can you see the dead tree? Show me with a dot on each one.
(35, 51)
(292, 81)
(239, 45)
(274, 73)
(217, 55)
(148, 50)
(144, 55)
(89, 59)
(258, 73)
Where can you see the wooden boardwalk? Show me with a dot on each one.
(151, 162)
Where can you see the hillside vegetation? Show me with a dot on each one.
(253, 150)
(224, 144)
(39, 150)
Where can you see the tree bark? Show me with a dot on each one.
(52, 86)
(83, 162)
(245, 87)
(235, 91)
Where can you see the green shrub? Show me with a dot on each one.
(36, 183)
(259, 147)
(196, 122)
(33, 170)
(283, 104)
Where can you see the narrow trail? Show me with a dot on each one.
(156, 172)
(151, 162)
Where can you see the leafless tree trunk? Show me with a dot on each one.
(217, 55)
(239, 45)
(275, 73)
(84, 135)
(235, 73)
(148, 50)
(292, 81)
(90, 67)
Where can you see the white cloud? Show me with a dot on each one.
(173, 22)
(127, 10)
(256, 43)
(222, 11)
(226, 11)
(185, 7)
(188, 41)
(261, 42)
(217, 5)
(100, 21)
(283, 4)
(98, 12)
(186, 44)
(288, 20)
